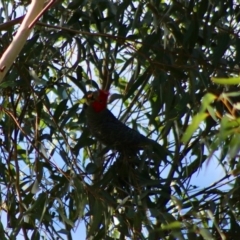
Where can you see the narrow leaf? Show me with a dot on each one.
(197, 119)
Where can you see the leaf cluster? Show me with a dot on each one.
(157, 58)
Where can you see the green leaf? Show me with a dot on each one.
(96, 217)
(223, 43)
(207, 100)
(196, 121)
(35, 235)
(172, 225)
(64, 218)
(2, 235)
(227, 81)
(237, 58)
(206, 233)
(191, 35)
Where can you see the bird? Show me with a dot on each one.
(110, 131)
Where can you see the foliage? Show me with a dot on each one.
(157, 58)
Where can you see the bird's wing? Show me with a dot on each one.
(124, 133)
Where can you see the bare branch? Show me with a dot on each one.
(20, 38)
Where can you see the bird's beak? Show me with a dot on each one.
(82, 100)
(85, 100)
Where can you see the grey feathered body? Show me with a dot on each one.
(112, 132)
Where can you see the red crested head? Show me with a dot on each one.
(97, 100)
